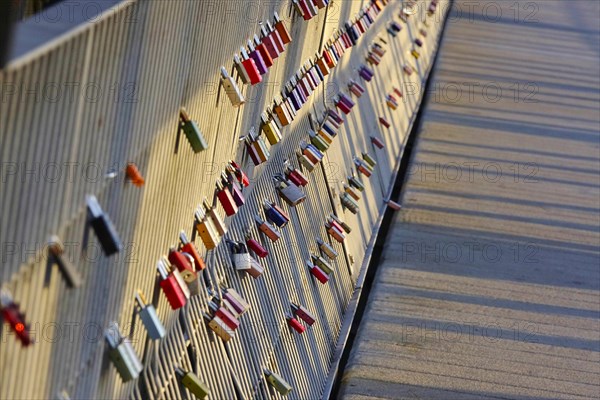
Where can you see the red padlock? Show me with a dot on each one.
(264, 52)
(319, 274)
(377, 142)
(303, 314)
(282, 29)
(306, 12)
(184, 264)
(384, 122)
(328, 59)
(256, 247)
(171, 287)
(226, 200)
(269, 42)
(190, 248)
(239, 173)
(15, 318)
(224, 315)
(343, 107)
(277, 40)
(295, 325)
(251, 69)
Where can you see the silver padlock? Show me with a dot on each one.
(122, 354)
(327, 249)
(232, 89)
(155, 328)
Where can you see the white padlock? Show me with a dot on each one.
(232, 89)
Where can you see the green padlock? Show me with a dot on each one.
(193, 383)
(369, 160)
(192, 132)
(355, 183)
(323, 264)
(318, 141)
(278, 382)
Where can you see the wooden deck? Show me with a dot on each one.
(489, 285)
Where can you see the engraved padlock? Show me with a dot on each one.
(154, 327)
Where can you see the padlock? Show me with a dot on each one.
(377, 142)
(154, 327)
(134, 175)
(331, 113)
(407, 70)
(231, 89)
(11, 314)
(226, 199)
(349, 203)
(296, 176)
(355, 183)
(327, 249)
(249, 66)
(378, 49)
(264, 52)
(122, 354)
(190, 248)
(323, 264)
(311, 151)
(341, 223)
(191, 381)
(241, 71)
(336, 233)
(329, 128)
(302, 9)
(318, 273)
(369, 160)
(397, 91)
(288, 191)
(423, 32)
(321, 3)
(282, 114)
(322, 65)
(103, 227)
(277, 381)
(184, 263)
(57, 256)
(277, 40)
(266, 228)
(282, 29)
(257, 57)
(318, 141)
(312, 7)
(269, 42)
(256, 247)
(236, 191)
(311, 155)
(275, 214)
(270, 129)
(325, 135)
(305, 161)
(236, 301)
(391, 104)
(355, 89)
(192, 132)
(179, 278)
(295, 324)
(384, 122)
(256, 270)
(393, 205)
(171, 286)
(253, 152)
(241, 256)
(396, 27)
(239, 173)
(415, 54)
(366, 73)
(215, 223)
(352, 192)
(392, 31)
(346, 100)
(222, 313)
(302, 313)
(220, 328)
(419, 42)
(206, 230)
(373, 59)
(328, 58)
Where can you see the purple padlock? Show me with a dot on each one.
(258, 59)
(419, 42)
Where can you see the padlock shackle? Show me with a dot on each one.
(141, 299)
